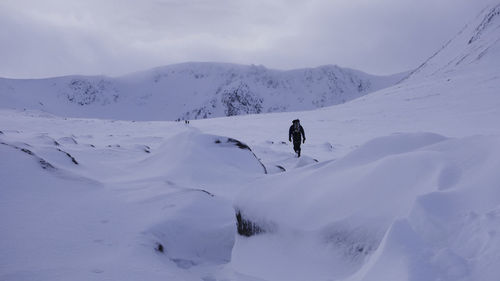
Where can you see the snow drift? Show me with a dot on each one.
(348, 206)
(84, 211)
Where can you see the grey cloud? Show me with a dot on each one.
(57, 37)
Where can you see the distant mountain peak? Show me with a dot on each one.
(192, 91)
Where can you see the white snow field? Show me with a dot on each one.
(401, 184)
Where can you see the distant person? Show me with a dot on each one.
(297, 132)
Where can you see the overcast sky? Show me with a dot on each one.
(43, 38)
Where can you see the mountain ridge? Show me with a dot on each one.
(477, 45)
(193, 90)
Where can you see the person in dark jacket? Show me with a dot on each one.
(297, 132)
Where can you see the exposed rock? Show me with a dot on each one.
(238, 143)
(246, 227)
(70, 156)
(240, 101)
(159, 247)
(84, 92)
(43, 163)
(281, 168)
(488, 19)
(241, 145)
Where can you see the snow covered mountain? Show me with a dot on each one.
(398, 185)
(475, 47)
(192, 91)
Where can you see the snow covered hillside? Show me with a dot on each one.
(476, 47)
(401, 184)
(191, 91)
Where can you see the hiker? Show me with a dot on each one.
(298, 134)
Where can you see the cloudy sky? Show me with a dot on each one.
(43, 38)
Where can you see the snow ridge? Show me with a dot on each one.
(191, 91)
(487, 21)
(476, 46)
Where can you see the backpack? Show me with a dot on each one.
(296, 128)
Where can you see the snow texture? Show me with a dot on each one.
(399, 184)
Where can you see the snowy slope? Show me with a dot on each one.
(191, 91)
(401, 184)
(476, 47)
(98, 202)
(406, 206)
